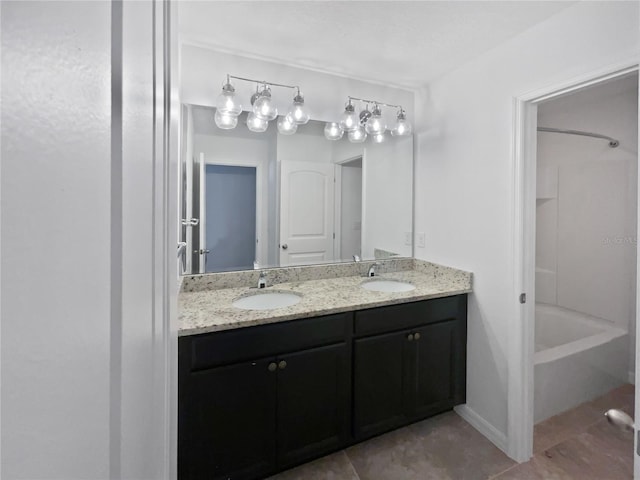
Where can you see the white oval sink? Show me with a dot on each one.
(266, 301)
(388, 286)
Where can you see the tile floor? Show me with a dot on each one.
(577, 444)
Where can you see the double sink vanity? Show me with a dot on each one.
(320, 358)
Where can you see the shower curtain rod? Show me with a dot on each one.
(613, 143)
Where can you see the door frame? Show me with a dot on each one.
(337, 207)
(521, 331)
(261, 223)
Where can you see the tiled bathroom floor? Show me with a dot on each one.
(577, 444)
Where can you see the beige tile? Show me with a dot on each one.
(556, 429)
(600, 452)
(443, 447)
(560, 427)
(460, 449)
(331, 467)
(622, 398)
(397, 455)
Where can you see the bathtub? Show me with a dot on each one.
(577, 358)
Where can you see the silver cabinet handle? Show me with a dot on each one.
(285, 246)
(272, 367)
(417, 336)
(282, 364)
(410, 337)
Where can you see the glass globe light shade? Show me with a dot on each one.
(297, 112)
(402, 127)
(349, 120)
(286, 126)
(225, 121)
(263, 107)
(256, 124)
(379, 137)
(375, 124)
(358, 135)
(332, 131)
(227, 102)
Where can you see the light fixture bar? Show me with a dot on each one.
(374, 102)
(263, 82)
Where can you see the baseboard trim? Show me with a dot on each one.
(494, 435)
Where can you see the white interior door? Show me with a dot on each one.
(306, 212)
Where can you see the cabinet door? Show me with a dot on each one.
(230, 422)
(380, 377)
(438, 368)
(313, 403)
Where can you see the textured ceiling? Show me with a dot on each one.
(395, 42)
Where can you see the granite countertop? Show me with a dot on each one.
(212, 310)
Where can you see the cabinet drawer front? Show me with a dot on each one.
(220, 348)
(407, 315)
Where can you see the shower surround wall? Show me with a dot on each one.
(586, 213)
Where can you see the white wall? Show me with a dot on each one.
(56, 283)
(86, 353)
(586, 231)
(464, 172)
(387, 190)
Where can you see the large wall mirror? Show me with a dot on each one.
(254, 200)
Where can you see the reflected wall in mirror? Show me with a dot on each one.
(267, 199)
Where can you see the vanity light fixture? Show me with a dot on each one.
(368, 122)
(333, 131)
(286, 126)
(263, 109)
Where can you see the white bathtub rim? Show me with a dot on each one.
(608, 333)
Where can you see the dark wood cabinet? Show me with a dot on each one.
(257, 400)
(410, 374)
(254, 417)
(230, 427)
(313, 403)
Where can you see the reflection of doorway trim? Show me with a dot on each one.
(261, 224)
(337, 206)
(521, 331)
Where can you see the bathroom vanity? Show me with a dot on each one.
(262, 391)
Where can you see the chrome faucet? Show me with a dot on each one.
(372, 270)
(262, 280)
(356, 258)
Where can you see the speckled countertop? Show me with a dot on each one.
(212, 310)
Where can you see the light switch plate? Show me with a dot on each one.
(421, 239)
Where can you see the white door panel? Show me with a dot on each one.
(306, 212)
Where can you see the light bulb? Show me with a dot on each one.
(263, 107)
(256, 124)
(358, 135)
(227, 102)
(225, 121)
(297, 112)
(379, 138)
(349, 120)
(332, 131)
(286, 126)
(375, 124)
(402, 127)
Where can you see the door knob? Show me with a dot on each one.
(410, 337)
(202, 251)
(285, 246)
(282, 365)
(620, 419)
(272, 367)
(416, 336)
